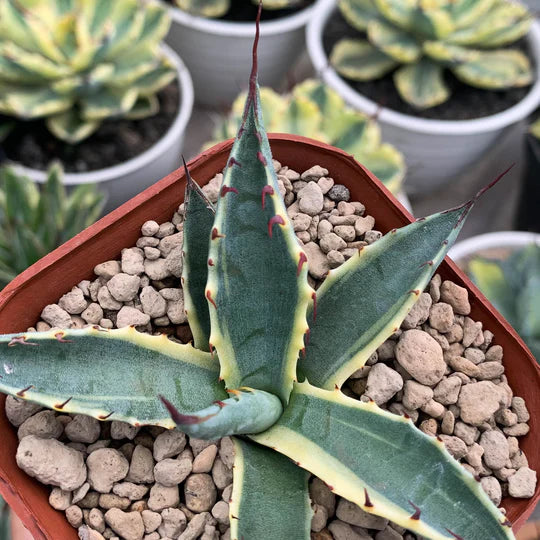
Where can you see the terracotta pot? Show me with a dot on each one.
(23, 299)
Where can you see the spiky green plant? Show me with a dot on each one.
(76, 63)
(534, 128)
(513, 286)
(250, 308)
(214, 9)
(5, 533)
(423, 38)
(315, 110)
(34, 221)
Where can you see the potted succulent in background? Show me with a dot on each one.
(214, 37)
(314, 110)
(36, 219)
(318, 424)
(435, 52)
(83, 83)
(506, 268)
(527, 216)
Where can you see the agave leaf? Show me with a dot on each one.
(358, 60)
(448, 53)
(247, 411)
(399, 12)
(330, 435)
(144, 107)
(33, 63)
(252, 241)
(329, 103)
(5, 529)
(422, 84)
(127, 26)
(49, 209)
(82, 207)
(393, 41)
(199, 218)
(11, 71)
(80, 382)
(303, 118)
(108, 103)
(205, 8)
(431, 22)
(496, 70)
(270, 485)
(380, 298)
(528, 307)
(358, 13)
(466, 12)
(29, 29)
(155, 27)
(28, 102)
(504, 23)
(156, 79)
(70, 127)
(387, 164)
(21, 196)
(358, 133)
(6, 128)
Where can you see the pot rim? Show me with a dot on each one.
(91, 245)
(176, 129)
(241, 29)
(461, 251)
(314, 31)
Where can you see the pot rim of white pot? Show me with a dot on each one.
(500, 239)
(176, 129)
(314, 31)
(241, 29)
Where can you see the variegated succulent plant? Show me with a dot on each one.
(314, 110)
(76, 63)
(512, 285)
(218, 8)
(34, 221)
(5, 532)
(251, 311)
(423, 38)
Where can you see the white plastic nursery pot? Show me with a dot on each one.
(125, 180)
(436, 151)
(491, 244)
(218, 53)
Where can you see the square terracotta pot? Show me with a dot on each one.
(23, 299)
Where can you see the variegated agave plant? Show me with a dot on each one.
(251, 310)
(422, 38)
(76, 63)
(315, 110)
(218, 8)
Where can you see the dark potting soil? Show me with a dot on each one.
(116, 140)
(246, 11)
(465, 102)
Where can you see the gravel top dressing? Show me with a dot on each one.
(119, 481)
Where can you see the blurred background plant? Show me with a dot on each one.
(76, 63)
(314, 110)
(512, 285)
(35, 220)
(420, 39)
(4, 520)
(219, 8)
